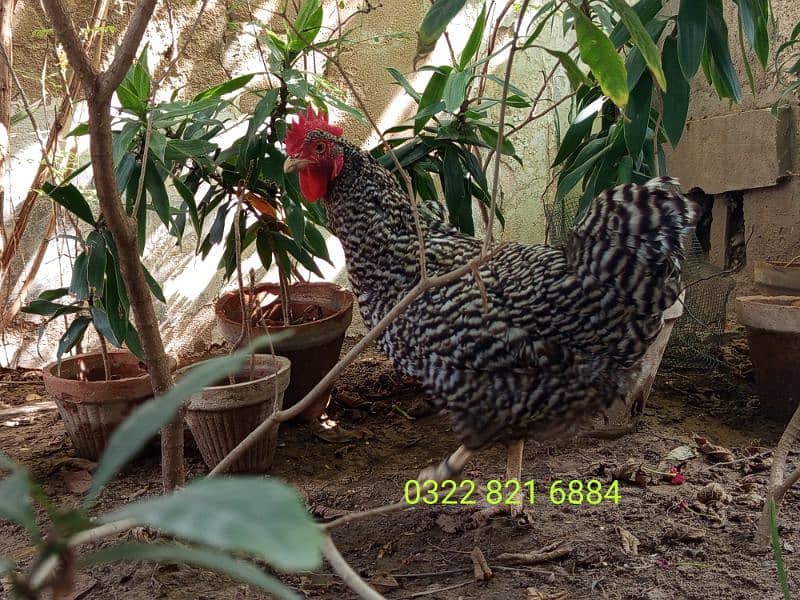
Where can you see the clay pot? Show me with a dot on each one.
(624, 416)
(776, 278)
(222, 415)
(773, 333)
(92, 407)
(313, 347)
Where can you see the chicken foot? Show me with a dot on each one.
(513, 471)
(449, 468)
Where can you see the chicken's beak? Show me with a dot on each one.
(293, 165)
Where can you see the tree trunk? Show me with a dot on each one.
(124, 232)
(6, 22)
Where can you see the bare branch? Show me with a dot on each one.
(346, 572)
(68, 36)
(110, 79)
(330, 378)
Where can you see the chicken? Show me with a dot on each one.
(555, 333)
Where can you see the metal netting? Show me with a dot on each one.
(698, 333)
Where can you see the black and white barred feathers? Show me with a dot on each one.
(562, 326)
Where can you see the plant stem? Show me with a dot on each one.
(286, 300)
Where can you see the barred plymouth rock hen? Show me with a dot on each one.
(552, 340)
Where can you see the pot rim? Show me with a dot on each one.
(349, 299)
(49, 370)
(283, 362)
(769, 313)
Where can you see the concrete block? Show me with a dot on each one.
(733, 152)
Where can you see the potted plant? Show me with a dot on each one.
(94, 391)
(246, 181)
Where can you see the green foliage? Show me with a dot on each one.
(223, 522)
(776, 550)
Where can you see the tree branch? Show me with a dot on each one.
(110, 79)
(68, 36)
(346, 572)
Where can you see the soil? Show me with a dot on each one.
(682, 528)
(271, 315)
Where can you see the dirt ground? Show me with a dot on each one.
(666, 539)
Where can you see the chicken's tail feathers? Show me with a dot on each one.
(630, 243)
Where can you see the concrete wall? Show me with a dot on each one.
(223, 46)
(731, 149)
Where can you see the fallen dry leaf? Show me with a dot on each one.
(713, 452)
(630, 543)
(383, 582)
(447, 523)
(681, 454)
(33, 397)
(77, 482)
(713, 492)
(327, 512)
(535, 594)
(683, 533)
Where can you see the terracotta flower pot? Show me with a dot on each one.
(773, 333)
(91, 406)
(222, 415)
(775, 277)
(314, 346)
(624, 415)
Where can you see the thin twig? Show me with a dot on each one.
(371, 336)
(489, 239)
(346, 572)
(437, 590)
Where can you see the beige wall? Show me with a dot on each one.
(743, 148)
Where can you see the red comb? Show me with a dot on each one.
(297, 131)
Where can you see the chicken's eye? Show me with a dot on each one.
(319, 148)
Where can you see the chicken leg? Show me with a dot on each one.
(447, 469)
(514, 470)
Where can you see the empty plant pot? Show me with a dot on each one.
(773, 333)
(313, 346)
(222, 415)
(623, 417)
(775, 277)
(91, 406)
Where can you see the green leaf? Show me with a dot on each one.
(576, 77)
(54, 294)
(154, 286)
(262, 517)
(123, 139)
(455, 89)
(102, 322)
(124, 171)
(6, 566)
(70, 198)
(264, 248)
(435, 22)
(46, 308)
(145, 421)
(776, 549)
(599, 53)
(201, 557)
(82, 129)
(404, 83)
(217, 91)
(638, 115)
(591, 153)
(79, 285)
(474, 41)
(188, 198)
(115, 302)
(183, 149)
(72, 336)
(625, 170)
(295, 221)
(133, 343)
(432, 95)
(316, 242)
(16, 503)
(454, 186)
(645, 10)
(676, 99)
(306, 26)
(723, 73)
(490, 136)
(154, 185)
(578, 130)
(642, 40)
(96, 267)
